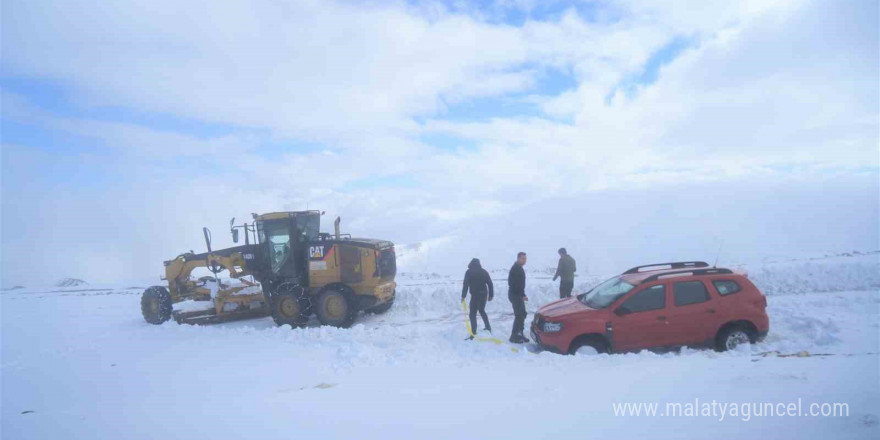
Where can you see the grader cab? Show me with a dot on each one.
(294, 269)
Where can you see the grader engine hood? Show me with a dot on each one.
(352, 260)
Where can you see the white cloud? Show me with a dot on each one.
(768, 89)
(315, 69)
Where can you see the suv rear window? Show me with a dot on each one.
(690, 292)
(652, 298)
(726, 287)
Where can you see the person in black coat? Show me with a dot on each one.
(477, 280)
(516, 293)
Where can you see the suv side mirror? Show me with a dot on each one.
(235, 235)
(622, 310)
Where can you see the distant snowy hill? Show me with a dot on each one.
(610, 231)
(70, 282)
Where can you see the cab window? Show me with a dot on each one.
(278, 235)
(651, 298)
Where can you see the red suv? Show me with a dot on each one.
(657, 306)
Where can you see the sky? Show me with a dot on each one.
(127, 126)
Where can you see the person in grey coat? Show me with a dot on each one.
(565, 270)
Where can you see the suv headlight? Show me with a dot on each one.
(551, 327)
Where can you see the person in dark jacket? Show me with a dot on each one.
(516, 293)
(477, 280)
(565, 270)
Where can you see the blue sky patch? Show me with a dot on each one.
(651, 70)
(57, 97)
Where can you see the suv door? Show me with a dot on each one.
(640, 319)
(693, 315)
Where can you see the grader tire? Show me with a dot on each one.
(290, 306)
(156, 305)
(335, 306)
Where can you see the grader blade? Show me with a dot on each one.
(210, 316)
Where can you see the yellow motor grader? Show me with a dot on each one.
(295, 271)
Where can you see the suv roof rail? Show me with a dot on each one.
(674, 265)
(712, 271)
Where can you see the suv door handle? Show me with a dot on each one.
(710, 311)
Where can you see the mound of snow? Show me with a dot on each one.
(70, 282)
(823, 276)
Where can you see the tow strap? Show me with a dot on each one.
(805, 353)
(467, 323)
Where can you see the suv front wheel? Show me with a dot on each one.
(588, 345)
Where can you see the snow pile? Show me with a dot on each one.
(818, 276)
(411, 276)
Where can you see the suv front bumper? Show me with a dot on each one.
(547, 341)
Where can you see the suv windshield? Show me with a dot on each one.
(606, 293)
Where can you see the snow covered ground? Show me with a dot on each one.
(80, 362)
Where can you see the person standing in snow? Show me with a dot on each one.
(516, 293)
(565, 270)
(478, 281)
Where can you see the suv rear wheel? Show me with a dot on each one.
(733, 336)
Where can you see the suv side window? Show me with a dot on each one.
(651, 298)
(690, 292)
(726, 287)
